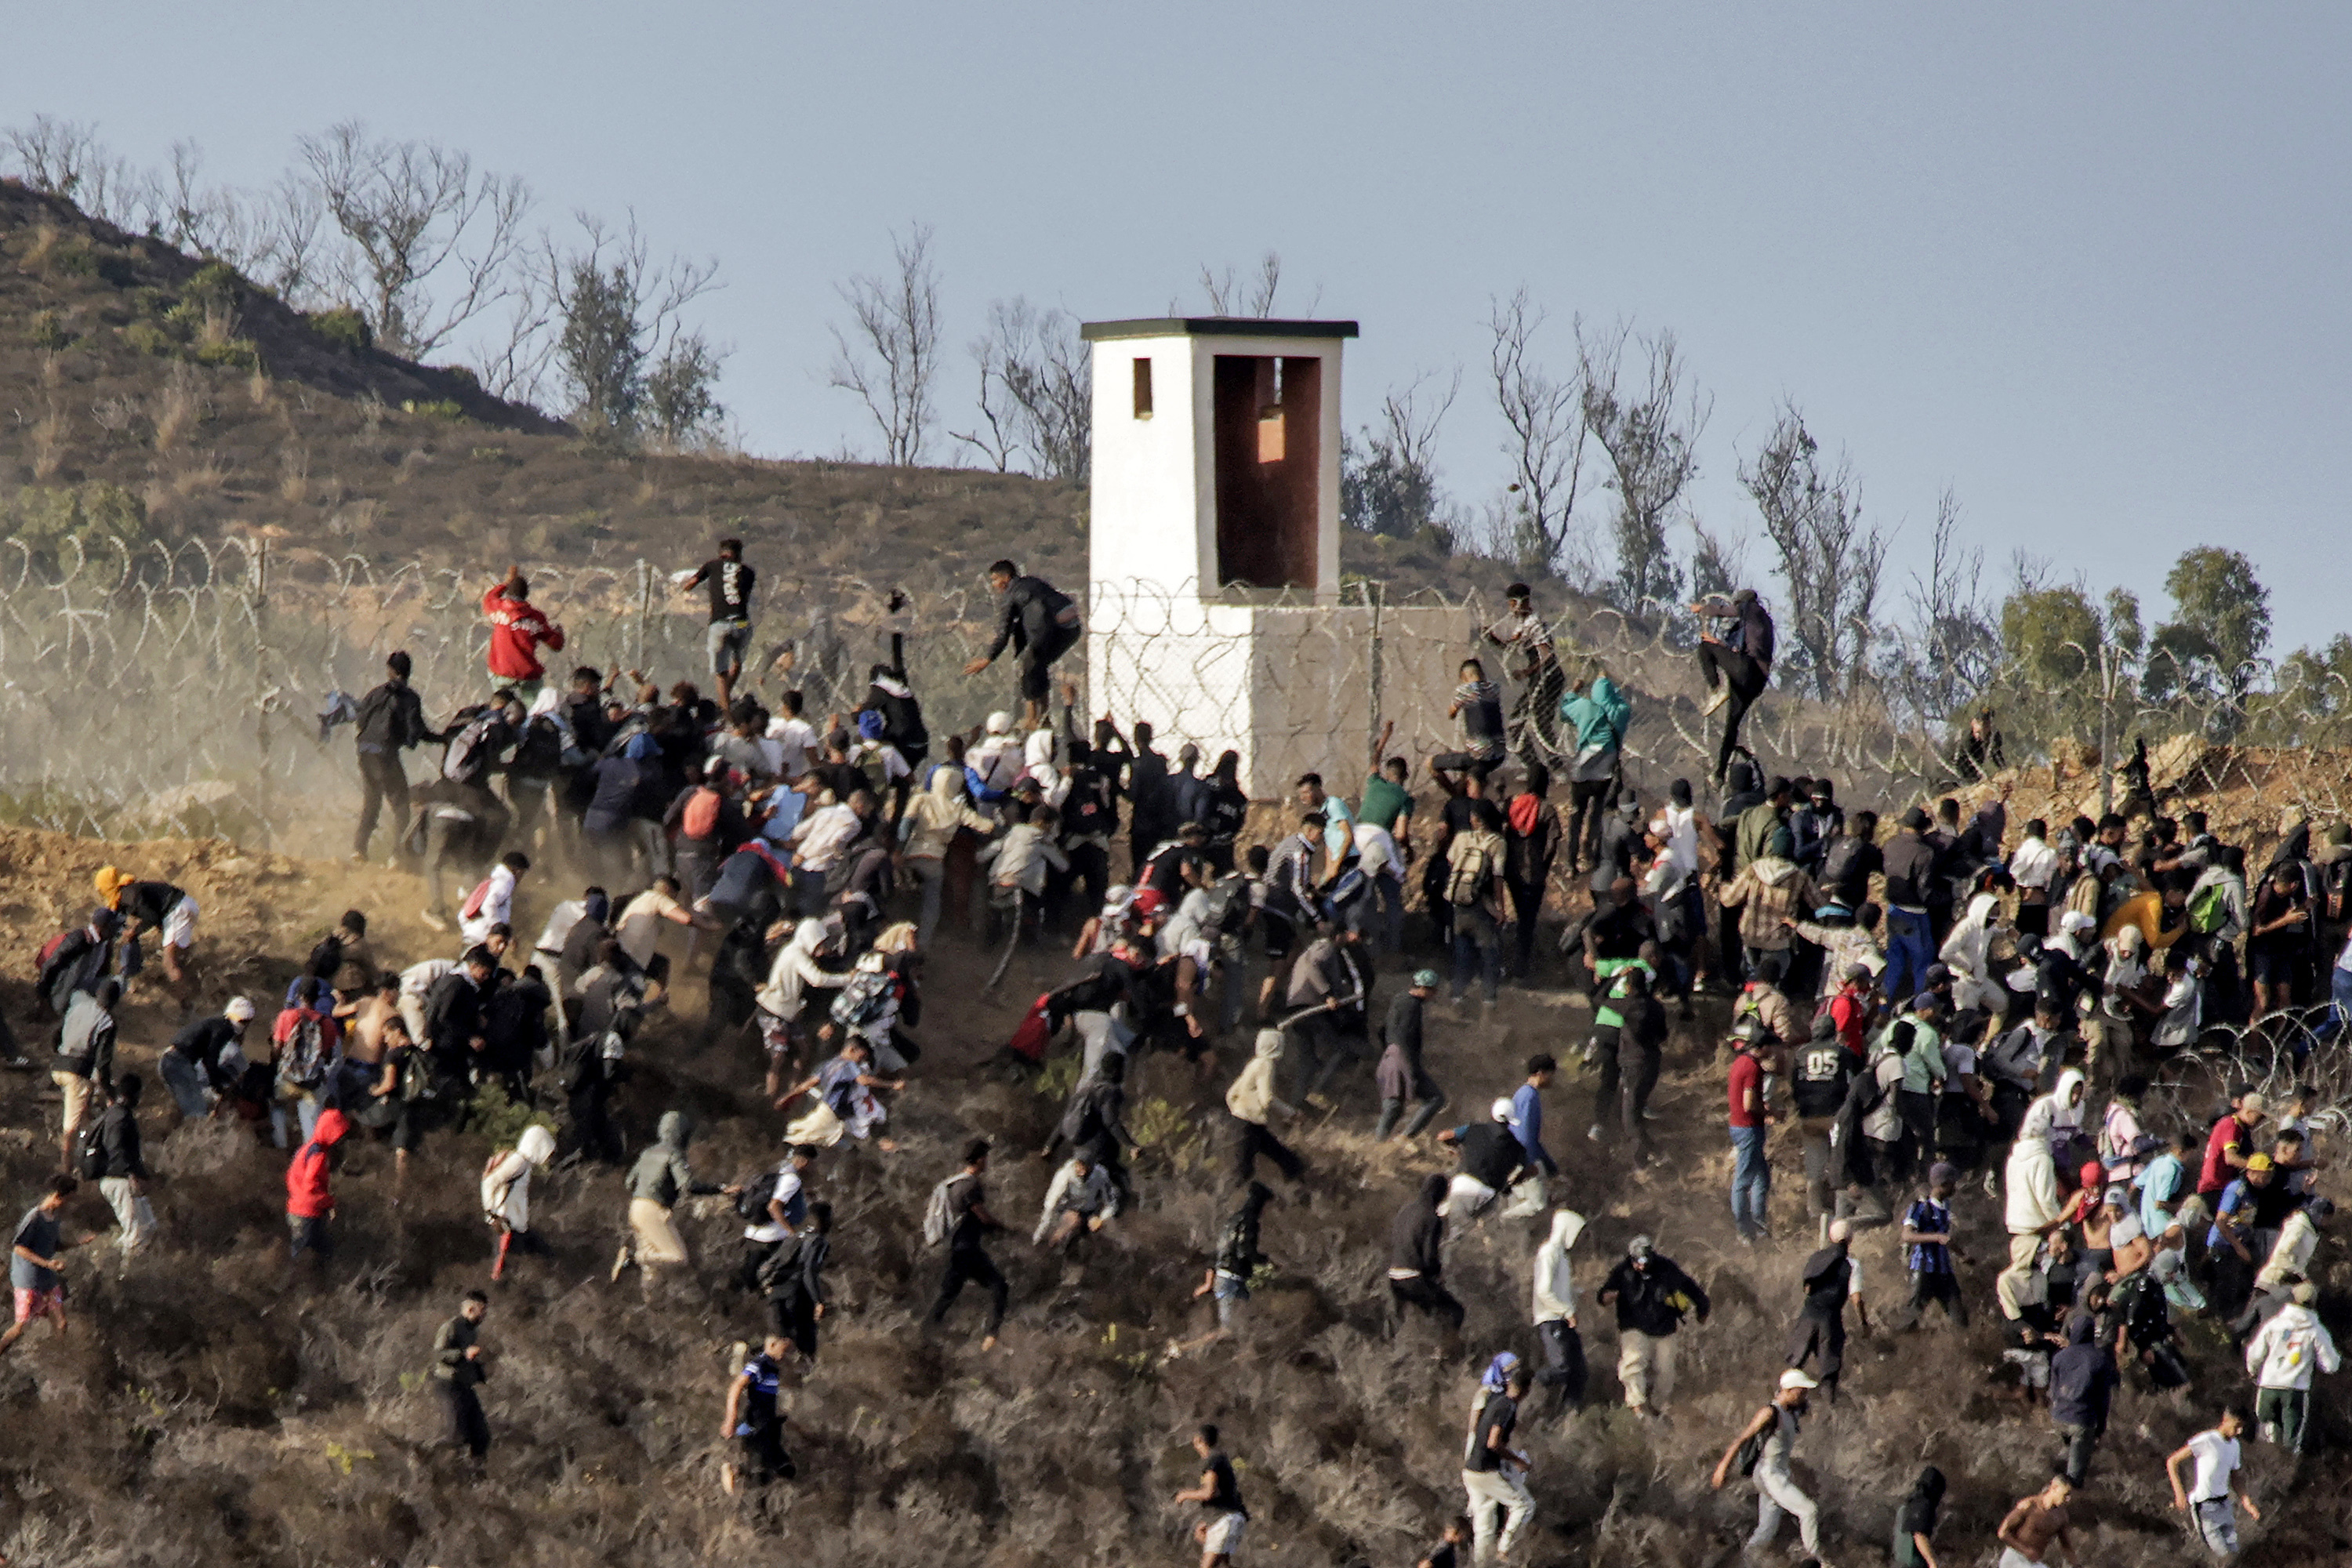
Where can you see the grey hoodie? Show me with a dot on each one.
(661, 1173)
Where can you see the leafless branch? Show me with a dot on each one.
(889, 354)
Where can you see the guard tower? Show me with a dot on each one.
(1214, 606)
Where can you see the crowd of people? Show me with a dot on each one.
(1952, 1002)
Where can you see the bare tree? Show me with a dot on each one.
(1650, 438)
(1250, 296)
(1956, 650)
(1388, 476)
(1547, 433)
(1829, 563)
(889, 356)
(1036, 392)
(620, 342)
(65, 158)
(407, 211)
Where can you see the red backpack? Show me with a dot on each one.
(701, 817)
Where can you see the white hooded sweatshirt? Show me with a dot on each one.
(1555, 1293)
(2289, 1347)
(2031, 1182)
(505, 1183)
(1252, 1096)
(796, 970)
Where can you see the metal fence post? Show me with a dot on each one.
(261, 687)
(644, 607)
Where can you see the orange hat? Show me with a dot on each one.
(110, 883)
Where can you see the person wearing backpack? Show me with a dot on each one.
(84, 1068)
(1494, 1473)
(958, 1219)
(122, 1173)
(77, 959)
(491, 903)
(506, 1194)
(1531, 838)
(704, 826)
(305, 1041)
(793, 1279)
(1474, 889)
(1762, 1451)
(773, 1205)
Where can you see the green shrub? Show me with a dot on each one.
(493, 1116)
(115, 268)
(437, 408)
(186, 319)
(47, 331)
(214, 283)
(461, 374)
(239, 354)
(72, 257)
(150, 338)
(344, 327)
(49, 518)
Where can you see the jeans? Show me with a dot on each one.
(469, 1428)
(133, 1212)
(1910, 949)
(1477, 949)
(1752, 1180)
(383, 781)
(1423, 1111)
(186, 1082)
(1387, 897)
(1424, 1295)
(2080, 1441)
(1744, 678)
(929, 873)
(1564, 1370)
(2286, 1409)
(2217, 1526)
(1526, 906)
(1251, 1139)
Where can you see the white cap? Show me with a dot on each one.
(239, 1011)
(1000, 722)
(1502, 1111)
(2075, 919)
(1792, 1378)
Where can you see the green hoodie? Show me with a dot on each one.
(661, 1173)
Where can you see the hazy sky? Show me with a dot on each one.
(2085, 269)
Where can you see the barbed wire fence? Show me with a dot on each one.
(176, 688)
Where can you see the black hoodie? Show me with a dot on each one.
(1917, 1515)
(1417, 1234)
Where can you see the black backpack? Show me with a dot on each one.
(90, 1148)
(751, 1203)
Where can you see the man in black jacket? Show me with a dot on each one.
(2083, 1378)
(1911, 892)
(123, 1180)
(1039, 623)
(1737, 663)
(1831, 1278)
(1651, 1297)
(390, 721)
(1417, 1260)
(457, 1372)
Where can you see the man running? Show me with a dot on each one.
(1776, 1427)
(1040, 624)
(2037, 1525)
(729, 582)
(754, 1423)
(2206, 1497)
(1494, 1473)
(969, 1223)
(390, 721)
(34, 1258)
(1219, 1494)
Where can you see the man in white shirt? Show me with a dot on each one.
(796, 737)
(495, 906)
(2206, 1498)
(1555, 1316)
(2031, 866)
(1383, 870)
(818, 843)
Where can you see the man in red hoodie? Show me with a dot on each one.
(310, 1195)
(517, 632)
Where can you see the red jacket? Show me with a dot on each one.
(308, 1195)
(516, 631)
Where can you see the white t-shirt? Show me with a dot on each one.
(797, 741)
(560, 923)
(1682, 837)
(1376, 851)
(2217, 1461)
(639, 929)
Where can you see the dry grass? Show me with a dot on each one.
(48, 445)
(294, 475)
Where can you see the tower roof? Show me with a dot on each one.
(1214, 326)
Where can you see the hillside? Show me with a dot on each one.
(205, 1410)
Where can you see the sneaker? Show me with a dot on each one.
(1715, 704)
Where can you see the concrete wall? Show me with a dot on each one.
(1150, 486)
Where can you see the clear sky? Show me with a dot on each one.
(2083, 264)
